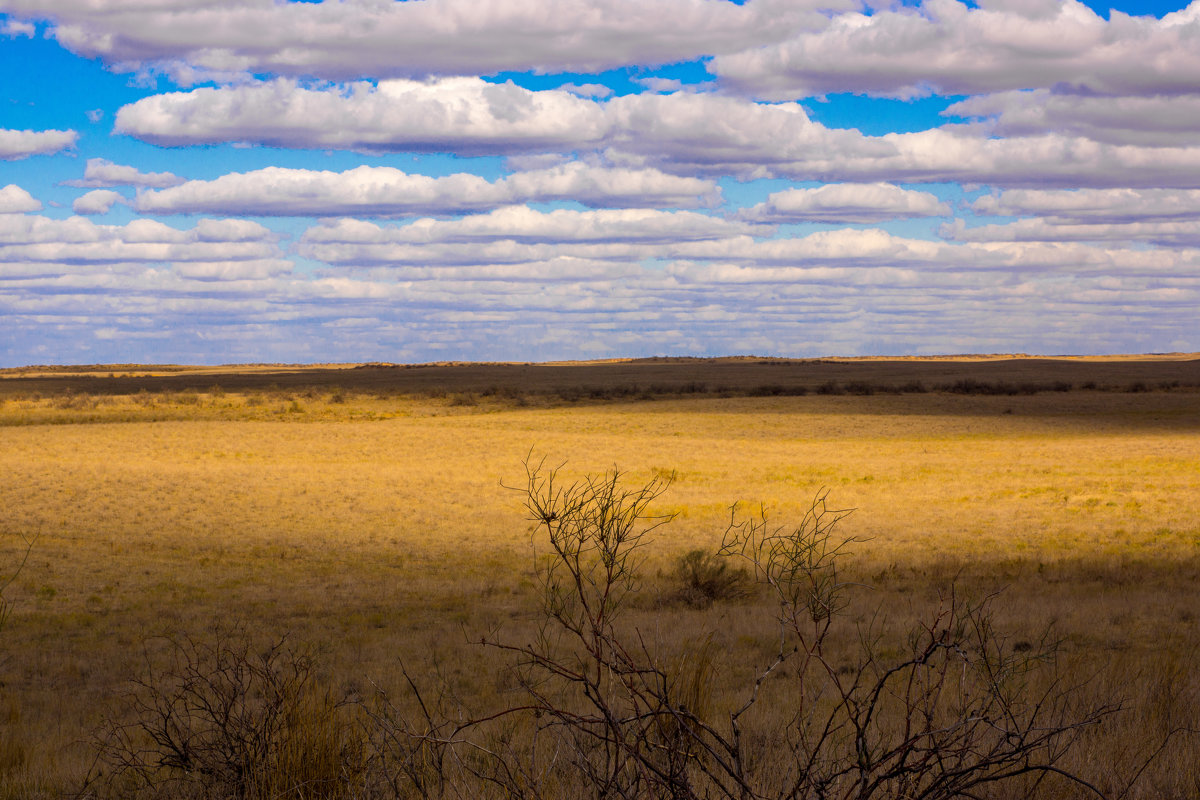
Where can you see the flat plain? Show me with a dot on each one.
(368, 511)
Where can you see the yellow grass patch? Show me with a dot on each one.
(378, 526)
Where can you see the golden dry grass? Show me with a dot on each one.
(377, 526)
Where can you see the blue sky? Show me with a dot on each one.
(218, 181)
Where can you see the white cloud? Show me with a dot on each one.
(1079, 102)
(22, 144)
(97, 201)
(1156, 121)
(14, 28)
(683, 133)
(655, 84)
(547, 310)
(379, 38)
(1166, 234)
(961, 155)
(516, 234)
(75, 240)
(389, 192)
(845, 202)
(523, 224)
(519, 236)
(462, 115)
(555, 270)
(100, 172)
(946, 47)
(15, 200)
(1067, 206)
(597, 90)
(609, 187)
(246, 270)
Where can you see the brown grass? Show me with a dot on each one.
(374, 524)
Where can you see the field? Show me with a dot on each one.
(369, 513)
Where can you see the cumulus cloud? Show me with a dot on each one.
(515, 234)
(609, 187)
(97, 201)
(255, 269)
(845, 202)
(521, 236)
(947, 47)
(100, 172)
(955, 154)
(555, 270)
(22, 144)
(463, 115)
(389, 192)
(682, 133)
(15, 200)
(1166, 234)
(713, 134)
(666, 85)
(1156, 121)
(1064, 99)
(587, 89)
(75, 240)
(14, 28)
(554, 308)
(384, 39)
(1071, 206)
(471, 116)
(523, 224)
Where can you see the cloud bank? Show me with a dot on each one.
(384, 39)
(681, 133)
(389, 192)
(947, 47)
(368, 179)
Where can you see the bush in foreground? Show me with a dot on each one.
(604, 711)
(595, 706)
(224, 720)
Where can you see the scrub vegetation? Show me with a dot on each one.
(241, 584)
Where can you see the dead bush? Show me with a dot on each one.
(224, 720)
(952, 712)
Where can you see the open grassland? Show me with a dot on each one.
(373, 522)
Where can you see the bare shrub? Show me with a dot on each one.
(223, 720)
(954, 711)
(12, 749)
(7, 580)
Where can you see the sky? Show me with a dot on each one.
(232, 181)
